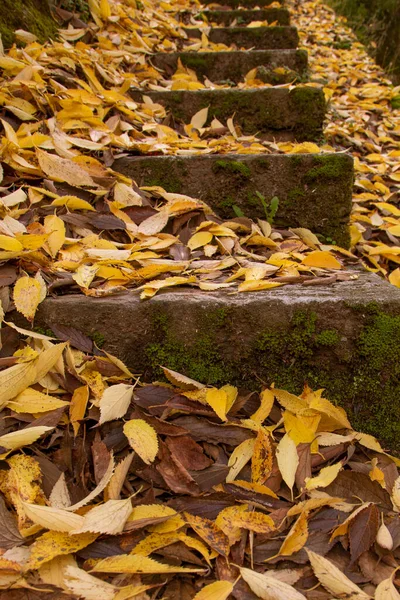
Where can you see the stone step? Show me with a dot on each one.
(233, 65)
(314, 190)
(241, 3)
(242, 17)
(277, 113)
(279, 38)
(343, 337)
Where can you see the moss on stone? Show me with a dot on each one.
(233, 166)
(365, 381)
(157, 175)
(332, 166)
(32, 15)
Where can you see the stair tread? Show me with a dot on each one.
(277, 37)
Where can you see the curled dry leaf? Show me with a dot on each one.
(269, 588)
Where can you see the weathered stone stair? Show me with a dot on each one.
(280, 16)
(340, 337)
(277, 38)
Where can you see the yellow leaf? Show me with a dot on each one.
(219, 590)
(72, 203)
(261, 462)
(333, 579)
(142, 438)
(332, 417)
(267, 587)
(10, 243)
(199, 239)
(290, 401)
(54, 543)
(105, 10)
(396, 494)
(55, 228)
(239, 458)
(322, 260)
(217, 399)
(145, 514)
(113, 489)
(210, 533)
(181, 381)
(109, 517)
(199, 119)
(154, 224)
(386, 590)
(225, 523)
(52, 572)
(296, 538)
(52, 518)
(63, 169)
(253, 521)
(27, 295)
(135, 563)
(130, 591)
(78, 405)
(257, 488)
(115, 402)
(23, 437)
(15, 379)
(394, 277)
(98, 489)
(31, 401)
(325, 477)
(267, 402)
(288, 460)
(84, 585)
(59, 497)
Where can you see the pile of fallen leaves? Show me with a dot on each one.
(114, 490)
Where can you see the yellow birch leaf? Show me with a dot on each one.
(115, 402)
(52, 518)
(23, 437)
(231, 395)
(181, 381)
(219, 590)
(78, 405)
(84, 585)
(15, 379)
(396, 494)
(290, 401)
(253, 521)
(333, 580)
(332, 417)
(296, 538)
(113, 489)
(47, 359)
(155, 541)
(268, 587)
(288, 460)
(147, 514)
(199, 239)
(321, 259)
(386, 590)
(200, 118)
(131, 591)
(63, 169)
(210, 533)
(105, 10)
(54, 543)
(10, 243)
(263, 411)
(59, 497)
(142, 438)
(239, 458)
(55, 228)
(73, 203)
(31, 401)
(135, 563)
(324, 477)
(217, 399)
(154, 224)
(257, 488)
(224, 522)
(394, 277)
(52, 572)
(261, 462)
(27, 295)
(109, 517)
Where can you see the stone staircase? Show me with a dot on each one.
(336, 336)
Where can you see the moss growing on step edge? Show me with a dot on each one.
(364, 378)
(32, 15)
(158, 173)
(334, 166)
(232, 166)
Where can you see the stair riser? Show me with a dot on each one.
(289, 336)
(231, 66)
(225, 17)
(254, 37)
(242, 3)
(267, 112)
(314, 191)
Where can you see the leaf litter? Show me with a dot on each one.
(98, 493)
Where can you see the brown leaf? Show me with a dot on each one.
(188, 453)
(9, 533)
(362, 531)
(351, 486)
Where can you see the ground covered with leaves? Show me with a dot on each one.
(177, 490)
(119, 490)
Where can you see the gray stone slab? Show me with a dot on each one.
(240, 3)
(233, 65)
(343, 337)
(277, 113)
(260, 38)
(242, 17)
(314, 190)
